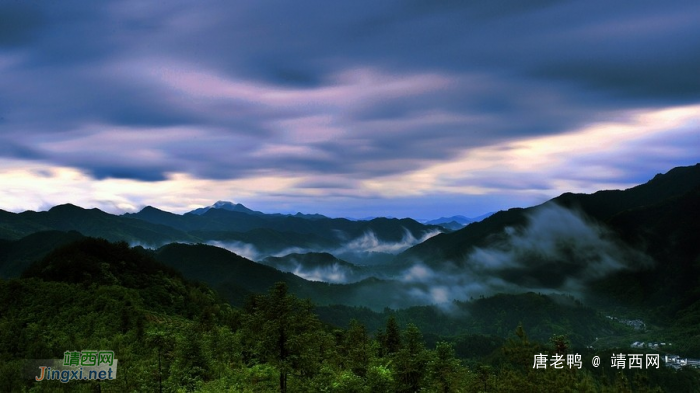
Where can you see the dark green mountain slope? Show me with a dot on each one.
(667, 228)
(601, 206)
(14, 227)
(668, 231)
(659, 228)
(542, 316)
(225, 271)
(17, 255)
(92, 294)
(91, 261)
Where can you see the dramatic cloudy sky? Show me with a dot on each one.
(356, 108)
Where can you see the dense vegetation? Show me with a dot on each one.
(173, 335)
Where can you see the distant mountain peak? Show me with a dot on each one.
(459, 220)
(66, 206)
(237, 207)
(224, 205)
(69, 208)
(314, 216)
(150, 208)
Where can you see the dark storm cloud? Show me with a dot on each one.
(441, 78)
(123, 172)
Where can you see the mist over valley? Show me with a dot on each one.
(568, 245)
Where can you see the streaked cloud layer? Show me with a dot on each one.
(357, 108)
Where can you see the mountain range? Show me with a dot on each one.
(456, 222)
(235, 225)
(630, 248)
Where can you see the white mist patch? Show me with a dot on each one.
(155, 246)
(369, 242)
(245, 250)
(332, 274)
(291, 250)
(442, 286)
(418, 273)
(558, 249)
(366, 244)
(491, 259)
(552, 226)
(147, 246)
(358, 250)
(440, 295)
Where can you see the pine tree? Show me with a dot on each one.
(443, 368)
(357, 348)
(284, 332)
(391, 342)
(411, 361)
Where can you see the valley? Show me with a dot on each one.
(606, 271)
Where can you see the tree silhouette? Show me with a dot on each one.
(284, 332)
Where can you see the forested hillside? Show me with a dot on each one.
(175, 335)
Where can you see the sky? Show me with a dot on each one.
(350, 109)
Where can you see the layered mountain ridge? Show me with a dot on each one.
(581, 244)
